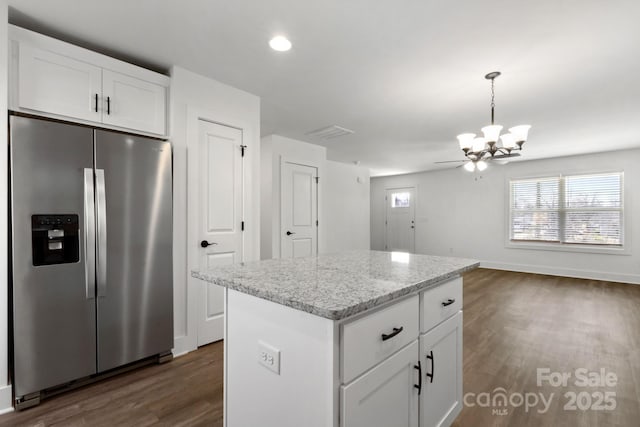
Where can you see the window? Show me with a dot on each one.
(577, 210)
(400, 200)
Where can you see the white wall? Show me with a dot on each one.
(275, 148)
(464, 214)
(192, 97)
(346, 207)
(5, 389)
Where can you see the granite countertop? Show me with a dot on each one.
(337, 286)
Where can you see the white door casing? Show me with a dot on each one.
(216, 197)
(400, 219)
(298, 210)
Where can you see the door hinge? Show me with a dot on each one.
(317, 179)
(242, 149)
(242, 226)
(316, 222)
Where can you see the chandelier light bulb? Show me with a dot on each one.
(520, 132)
(492, 132)
(481, 165)
(470, 166)
(478, 144)
(466, 140)
(508, 141)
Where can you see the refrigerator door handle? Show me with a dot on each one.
(89, 235)
(101, 210)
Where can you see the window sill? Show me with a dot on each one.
(561, 247)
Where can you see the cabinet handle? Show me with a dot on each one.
(108, 105)
(395, 332)
(433, 367)
(448, 302)
(419, 385)
(96, 102)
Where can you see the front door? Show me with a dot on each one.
(298, 210)
(215, 194)
(400, 222)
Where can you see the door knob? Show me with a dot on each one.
(289, 233)
(206, 244)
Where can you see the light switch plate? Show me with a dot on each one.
(269, 357)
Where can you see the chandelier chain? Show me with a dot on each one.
(493, 98)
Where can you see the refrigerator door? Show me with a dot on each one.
(53, 249)
(134, 235)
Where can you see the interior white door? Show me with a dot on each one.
(386, 395)
(57, 84)
(441, 356)
(216, 196)
(400, 219)
(298, 210)
(133, 103)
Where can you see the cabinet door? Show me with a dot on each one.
(385, 396)
(441, 356)
(57, 84)
(132, 103)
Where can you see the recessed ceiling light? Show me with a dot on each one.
(280, 43)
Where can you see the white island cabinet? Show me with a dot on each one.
(356, 339)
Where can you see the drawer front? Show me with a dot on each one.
(369, 340)
(440, 303)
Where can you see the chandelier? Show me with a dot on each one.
(492, 145)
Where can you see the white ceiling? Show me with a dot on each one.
(406, 76)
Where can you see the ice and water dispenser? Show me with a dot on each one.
(54, 239)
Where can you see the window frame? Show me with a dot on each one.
(623, 249)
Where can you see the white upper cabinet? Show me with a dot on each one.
(58, 84)
(133, 103)
(59, 80)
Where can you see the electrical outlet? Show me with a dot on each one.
(269, 357)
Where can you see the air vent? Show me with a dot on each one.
(330, 132)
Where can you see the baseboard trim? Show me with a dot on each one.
(6, 405)
(564, 272)
(182, 345)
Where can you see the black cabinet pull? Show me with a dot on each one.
(206, 244)
(433, 367)
(289, 233)
(96, 102)
(419, 385)
(108, 105)
(448, 302)
(395, 332)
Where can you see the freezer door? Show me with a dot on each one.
(134, 239)
(53, 247)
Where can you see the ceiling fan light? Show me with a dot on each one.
(466, 140)
(478, 144)
(508, 141)
(492, 132)
(470, 166)
(481, 165)
(520, 132)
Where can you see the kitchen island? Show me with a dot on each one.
(360, 338)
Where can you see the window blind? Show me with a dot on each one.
(580, 209)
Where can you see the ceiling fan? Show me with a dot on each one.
(478, 151)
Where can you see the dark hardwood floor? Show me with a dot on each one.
(514, 323)
(184, 392)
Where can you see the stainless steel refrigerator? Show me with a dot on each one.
(91, 233)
